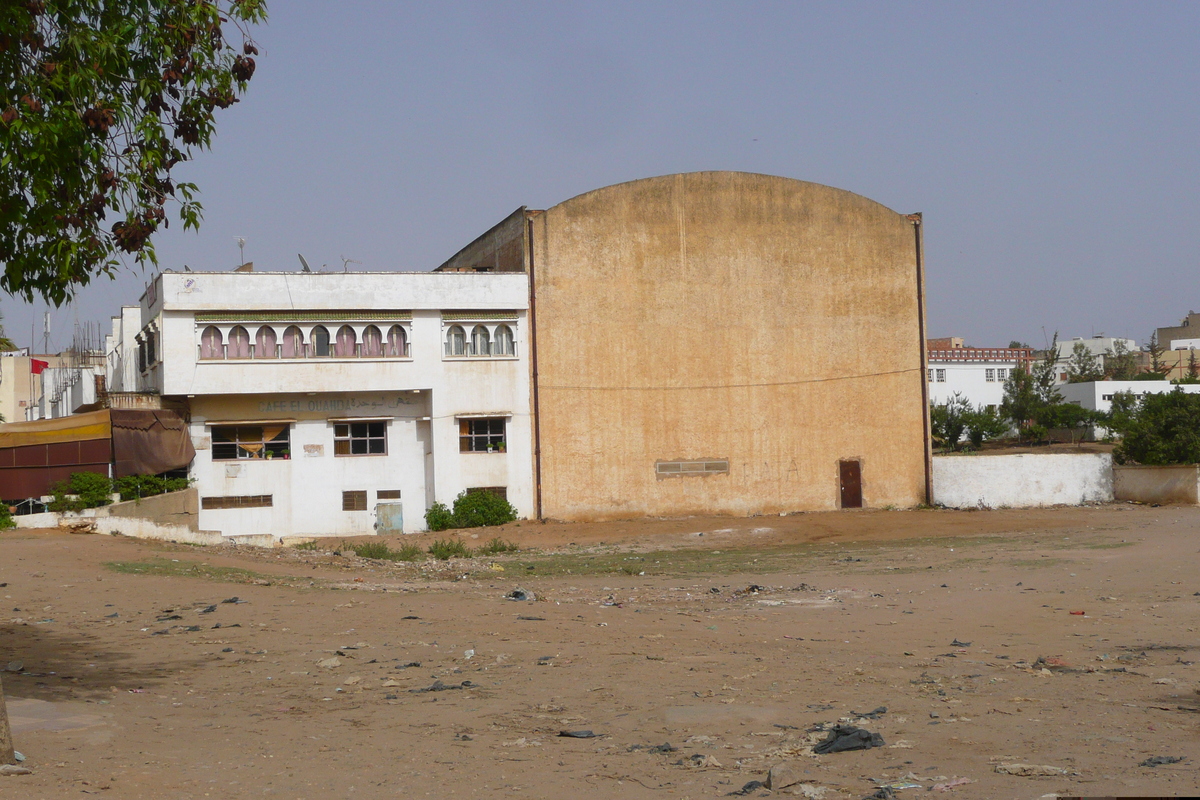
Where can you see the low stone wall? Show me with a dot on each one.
(1022, 481)
(180, 508)
(1174, 484)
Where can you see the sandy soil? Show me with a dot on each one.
(143, 683)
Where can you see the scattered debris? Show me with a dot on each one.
(699, 760)
(329, 663)
(748, 788)
(957, 643)
(438, 686)
(948, 785)
(847, 737)
(782, 775)
(520, 595)
(882, 793)
(13, 769)
(876, 714)
(1029, 770)
(409, 664)
(577, 734)
(1159, 760)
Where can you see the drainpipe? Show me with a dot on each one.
(533, 357)
(918, 242)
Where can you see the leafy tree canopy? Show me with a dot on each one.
(1159, 429)
(101, 100)
(1083, 367)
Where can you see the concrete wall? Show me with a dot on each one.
(1022, 481)
(173, 508)
(764, 320)
(1174, 484)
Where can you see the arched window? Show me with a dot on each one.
(481, 341)
(343, 347)
(503, 346)
(293, 343)
(372, 344)
(264, 342)
(239, 343)
(210, 343)
(319, 341)
(456, 341)
(397, 345)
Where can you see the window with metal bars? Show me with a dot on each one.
(483, 435)
(234, 442)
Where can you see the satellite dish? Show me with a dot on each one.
(303, 264)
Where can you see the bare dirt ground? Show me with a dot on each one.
(131, 675)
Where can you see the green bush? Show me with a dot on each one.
(371, 550)
(90, 489)
(6, 518)
(1161, 429)
(446, 549)
(439, 518)
(133, 487)
(498, 545)
(408, 552)
(380, 550)
(482, 508)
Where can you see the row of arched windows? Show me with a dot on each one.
(498, 342)
(346, 344)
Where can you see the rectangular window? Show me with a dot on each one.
(231, 442)
(238, 501)
(481, 435)
(670, 469)
(990, 375)
(941, 376)
(360, 439)
(354, 501)
(930, 376)
(387, 494)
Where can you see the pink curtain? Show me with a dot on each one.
(397, 342)
(346, 339)
(293, 343)
(210, 344)
(239, 343)
(372, 343)
(264, 343)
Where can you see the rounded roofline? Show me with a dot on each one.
(739, 173)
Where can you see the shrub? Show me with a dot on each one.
(133, 487)
(498, 545)
(408, 552)
(446, 549)
(438, 517)
(90, 489)
(1161, 429)
(482, 508)
(371, 550)
(6, 519)
(306, 546)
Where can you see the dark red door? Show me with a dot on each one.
(850, 474)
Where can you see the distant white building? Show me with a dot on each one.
(977, 373)
(1098, 395)
(1097, 347)
(337, 404)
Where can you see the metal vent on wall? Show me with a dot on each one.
(679, 469)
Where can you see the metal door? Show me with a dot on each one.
(850, 474)
(389, 518)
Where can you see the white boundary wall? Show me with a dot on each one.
(1022, 481)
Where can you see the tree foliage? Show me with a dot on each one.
(102, 99)
(1120, 363)
(1159, 429)
(948, 420)
(1159, 368)
(472, 509)
(1082, 366)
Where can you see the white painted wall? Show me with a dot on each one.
(422, 396)
(1184, 344)
(1097, 395)
(971, 380)
(1022, 481)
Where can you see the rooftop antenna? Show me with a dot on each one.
(347, 261)
(241, 240)
(303, 264)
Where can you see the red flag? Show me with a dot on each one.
(36, 367)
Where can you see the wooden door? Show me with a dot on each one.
(850, 478)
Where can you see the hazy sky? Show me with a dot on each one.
(1054, 149)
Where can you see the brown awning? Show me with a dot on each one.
(75, 428)
(148, 442)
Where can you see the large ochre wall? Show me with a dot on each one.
(764, 320)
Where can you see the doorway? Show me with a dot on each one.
(850, 479)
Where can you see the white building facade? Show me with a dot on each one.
(338, 404)
(977, 373)
(1098, 395)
